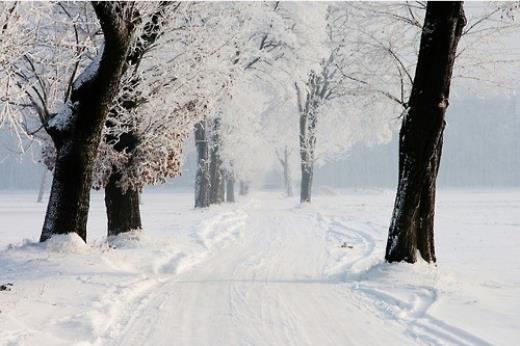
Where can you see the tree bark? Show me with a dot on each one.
(421, 135)
(306, 183)
(123, 205)
(307, 147)
(308, 122)
(123, 213)
(77, 138)
(202, 178)
(217, 191)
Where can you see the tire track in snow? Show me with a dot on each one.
(412, 310)
(124, 305)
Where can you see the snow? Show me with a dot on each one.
(264, 271)
(90, 71)
(62, 119)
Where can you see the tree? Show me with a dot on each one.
(333, 96)
(308, 120)
(162, 100)
(202, 179)
(216, 170)
(122, 202)
(284, 160)
(230, 186)
(255, 42)
(421, 135)
(76, 130)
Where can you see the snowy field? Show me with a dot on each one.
(264, 271)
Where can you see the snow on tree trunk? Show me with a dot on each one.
(217, 191)
(202, 178)
(76, 131)
(317, 88)
(420, 138)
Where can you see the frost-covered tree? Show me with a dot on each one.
(246, 150)
(76, 129)
(64, 77)
(331, 99)
(311, 56)
(258, 41)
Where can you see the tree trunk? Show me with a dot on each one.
(123, 205)
(230, 189)
(306, 183)
(287, 174)
(221, 191)
(77, 133)
(69, 200)
(202, 178)
(308, 121)
(216, 195)
(420, 138)
(43, 184)
(307, 145)
(123, 211)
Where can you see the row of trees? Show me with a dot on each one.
(112, 90)
(362, 77)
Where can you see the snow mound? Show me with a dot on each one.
(128, 239)
(66, 243)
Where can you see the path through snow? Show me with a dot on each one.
(263, 272)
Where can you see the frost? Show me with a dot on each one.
(90, 71)
(63, 119)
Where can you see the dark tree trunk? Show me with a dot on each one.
(308, 120)
(306, 183)
(77, 138)
(217, 191)
(202, 178)
(420, 138)
(122, 206)
(230, 189)
(244, 188)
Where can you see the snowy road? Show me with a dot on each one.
(287, 277)
(269, 286)
(268, 272)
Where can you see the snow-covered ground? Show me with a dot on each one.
(264, 271)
